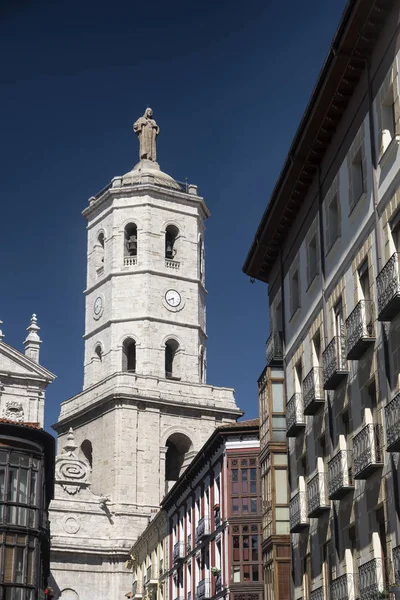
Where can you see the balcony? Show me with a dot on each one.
(218, 583)
(130, 261)
(274, 349)
(298, 513)
(136, 590)
(172, 264)
(367, 450)
(343, 588)
(370, 576)
(388, 284)
(360, 329)
(189, 544)
(396, 564)
(317, 493)
(217, 517)
(178, 552)
(203, 528)
(340, 478)
(151, 577)
(392, 417)
(313, 391)
(203, 590)
(320, 593)
(335, 363)
(295, 420)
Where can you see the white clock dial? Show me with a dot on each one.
(173, 298)
(98, 305)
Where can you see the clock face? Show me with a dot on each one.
(173, 298)
(98, 305)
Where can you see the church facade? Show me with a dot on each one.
(145, 409)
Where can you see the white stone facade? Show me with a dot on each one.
(141, 423)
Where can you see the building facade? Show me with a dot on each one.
(211, 520)
(146, 407)
(26, 471)
(328, 247)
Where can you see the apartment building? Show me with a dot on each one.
(328, 245)
(205, 542)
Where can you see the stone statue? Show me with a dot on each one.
(147, 130)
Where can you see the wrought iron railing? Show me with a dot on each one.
(343, 587)
(203, 590)
(360, 327)
(371, 580)
(320, 593)
(218, 583)
(367, 448)
(334, 361)
(294, 415)
(298, 512)
(203, 528)
(217, 518)
(274, 348)
(396, 564)
(313, 390)
(392, 418)
(317, 494)
(388, 284)
(340, 474)
(189, 543)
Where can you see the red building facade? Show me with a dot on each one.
(214, 515)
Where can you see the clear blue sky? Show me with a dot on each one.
(228, 83)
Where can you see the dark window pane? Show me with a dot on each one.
(244, 462)
(246, 551)
(235, 475)
(244, 475)
(235, 505)
(253, 505)
(253, 487)
(246, 573)
(253, 474)
(255, 572)
(2, 482)
(254, 547)
(12, 485)
(245, 505)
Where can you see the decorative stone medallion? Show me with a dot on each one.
(71, 525)
(14, 411)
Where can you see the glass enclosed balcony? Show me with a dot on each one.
(298, 513)
(360, 329)
(335, 362)
(317, 493)
(274, 349)
(367, 450)
(313, 391)
(343, 588)
(340, 476)
(295, 420)
(392, 417)
(388, 284)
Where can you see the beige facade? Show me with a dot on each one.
(331, 259)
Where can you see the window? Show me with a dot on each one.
(387, 120)
(245, 486)
(171, 235)
(338, 323)
(246, 553)
(316, 349)
(294, 292)
(87, 451)
(333, 222)
(363, 278)
(129, 355)
(131, 242)
(395, 231)
(98, 353)
(357, 178)
(19, 489)
(99, 250)
(312, 260)
(171, 349)
(19, 560)
(201, 365)
(201, 258)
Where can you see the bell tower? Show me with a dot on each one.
(145, 409)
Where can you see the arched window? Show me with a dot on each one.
(130, 240)
(178, 456)
(87, 451)
(201, 258)
(99, 250)
(171, 234)
(171, 348)
(129, 355)
(98, 352)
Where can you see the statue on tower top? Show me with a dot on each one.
(147, 131)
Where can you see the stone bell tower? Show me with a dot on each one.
(145, 409)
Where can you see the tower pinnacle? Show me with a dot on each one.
(33, 341)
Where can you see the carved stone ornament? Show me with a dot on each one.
(72, 473)
(14, 411)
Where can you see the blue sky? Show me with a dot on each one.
(228, 83)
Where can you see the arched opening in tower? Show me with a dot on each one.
(178, 456)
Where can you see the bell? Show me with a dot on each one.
(169, 251)
(132, 245)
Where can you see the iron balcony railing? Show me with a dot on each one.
(218, 583)
(343, 588)
(179, 551)
(367, 450)
(203, 528)
(317, 495)
(360, 329)
(295, 420)
(392, 418)
(298, 512)
(217, 517)
(203, 590)
(340, 475)
(189, 543)
(313, 391)
(274, 349)
(396, 564)
(371, 580)
(320, 593)
(335, 363)
(388, 284)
